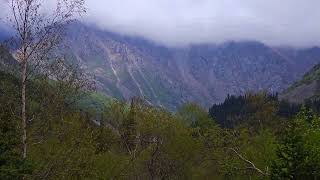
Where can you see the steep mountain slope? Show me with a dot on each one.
(307, 88)
(7, 62)
(129, 66)
(4, 32)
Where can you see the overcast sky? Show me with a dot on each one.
(182, 22)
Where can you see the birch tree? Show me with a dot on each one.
(39, 26)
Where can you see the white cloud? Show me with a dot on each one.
(181, 22)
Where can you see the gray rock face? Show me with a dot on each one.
(129, 66)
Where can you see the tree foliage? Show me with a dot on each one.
(119, 140)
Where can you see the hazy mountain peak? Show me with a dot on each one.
(206, 73)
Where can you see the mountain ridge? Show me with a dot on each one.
(126, 66)
(131, 66)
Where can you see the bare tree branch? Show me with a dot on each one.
(252, 165)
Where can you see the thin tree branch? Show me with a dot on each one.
(253, 166)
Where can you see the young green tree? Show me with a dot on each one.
(298, 149)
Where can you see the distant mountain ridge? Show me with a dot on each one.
(126, 66)
(130, 66)
(4, 32)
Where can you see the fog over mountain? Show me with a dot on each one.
(233, 47)
(126, 67)
(183, 22)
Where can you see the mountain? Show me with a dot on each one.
(7, 62)
(306, 88)
(127, 66)
(4, 32)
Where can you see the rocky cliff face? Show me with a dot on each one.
(128, 66)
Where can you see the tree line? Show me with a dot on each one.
(137, 141)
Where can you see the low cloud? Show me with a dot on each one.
(183, 22)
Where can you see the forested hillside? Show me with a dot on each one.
(206, 99)
(75, 135)
(306, 88)
(256, 108)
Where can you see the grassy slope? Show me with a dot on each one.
(308, 87)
